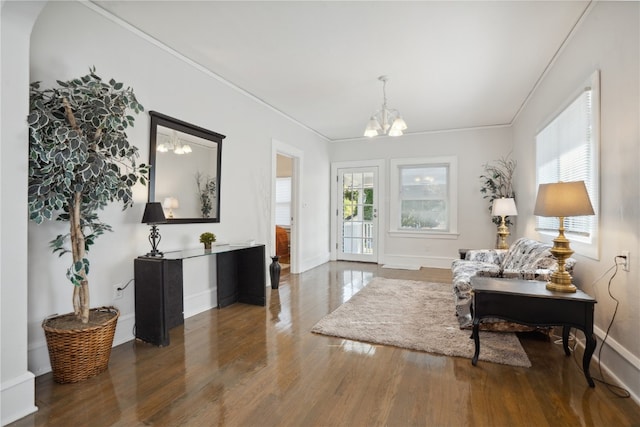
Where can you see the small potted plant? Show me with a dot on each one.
(80, 161)
(207, 238)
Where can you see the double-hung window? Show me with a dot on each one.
(423, 196)
(567, 150)
(283, 201)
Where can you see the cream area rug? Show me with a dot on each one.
(417, 316)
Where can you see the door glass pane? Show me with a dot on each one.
(358, 212)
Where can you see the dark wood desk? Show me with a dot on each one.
(241, 277)
(530, 303)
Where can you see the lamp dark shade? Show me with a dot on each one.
(153, 213)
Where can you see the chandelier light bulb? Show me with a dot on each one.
(173, 143)
(385, 121)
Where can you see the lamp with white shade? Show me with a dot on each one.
(170, 203)
(562, 199)
(503, 207)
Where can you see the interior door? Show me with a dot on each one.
(357, 214)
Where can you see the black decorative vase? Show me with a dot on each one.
(274, 272)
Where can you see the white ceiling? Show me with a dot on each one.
(451, 65)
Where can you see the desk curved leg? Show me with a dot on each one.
(589, 348)
(476, 339)
(565, 339)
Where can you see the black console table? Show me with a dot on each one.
(530, 303)
(159, 303)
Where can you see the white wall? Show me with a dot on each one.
(17, 383)
(608, 39)
(164, 83)
(473, 148)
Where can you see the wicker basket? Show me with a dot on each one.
(79, 354)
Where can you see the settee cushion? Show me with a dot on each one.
(526, 259)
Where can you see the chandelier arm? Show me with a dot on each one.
(387, 120)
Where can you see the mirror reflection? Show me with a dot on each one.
(185, 170)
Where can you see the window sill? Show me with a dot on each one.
(415, 234)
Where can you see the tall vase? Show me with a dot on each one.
(274, 272)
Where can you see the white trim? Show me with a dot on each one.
(394, 183)
(124, 329)
(382, 203)
(297, 156)
(425, 132)
(14, 395)
(308, 264)
(591, 248)
(625, 354)
(416, 260)
(197, 303)
(587, 10)
(157, 43)
(423, 235)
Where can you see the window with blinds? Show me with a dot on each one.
(567, 150)
(283, 201)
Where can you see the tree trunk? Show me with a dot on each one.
(80, 292)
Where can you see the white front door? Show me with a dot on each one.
(357, 225)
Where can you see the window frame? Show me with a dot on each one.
(586, 245)
(395, 200)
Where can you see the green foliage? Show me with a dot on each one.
(207, 237)
(78, 147)
(422, 214)
(497, 182)
(350, 203)
(206, 193)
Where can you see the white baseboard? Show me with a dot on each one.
(16, 397)
(124, 329)
(631, 361)
(310, 263)
(200, 302)
(422, 261)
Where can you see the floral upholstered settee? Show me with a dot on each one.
(526, 259)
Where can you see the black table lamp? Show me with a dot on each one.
(153, 214)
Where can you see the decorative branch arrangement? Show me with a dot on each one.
(497, 182)
(206, 193)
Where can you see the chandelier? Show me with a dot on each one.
(174, 145)
(385, 121)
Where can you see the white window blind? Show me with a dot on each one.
(567, 150)
(283, 201)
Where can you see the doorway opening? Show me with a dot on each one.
(283, 212)
(286, 166)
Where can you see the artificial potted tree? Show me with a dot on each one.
(80, 161)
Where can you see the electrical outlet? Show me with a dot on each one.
(626, 260)
(118, 292)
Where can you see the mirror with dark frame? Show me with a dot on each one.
(185, 170)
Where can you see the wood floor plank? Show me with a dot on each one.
(261, 366)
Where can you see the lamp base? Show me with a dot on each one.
(561, 250)
(503, 234)
(559, 287)
(154, 239)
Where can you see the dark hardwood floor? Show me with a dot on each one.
(255, 366)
